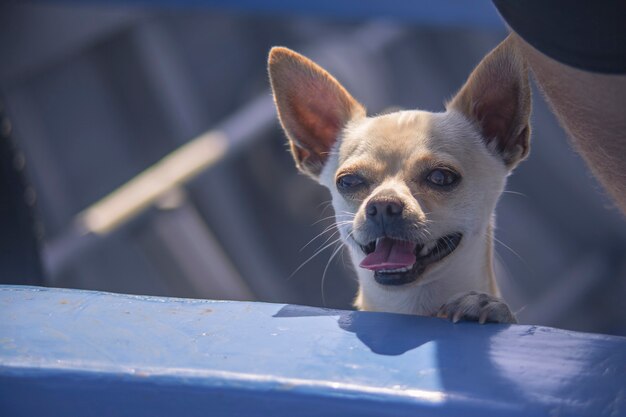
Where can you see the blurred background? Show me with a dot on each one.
(144, 142)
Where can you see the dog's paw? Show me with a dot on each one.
(475, 306)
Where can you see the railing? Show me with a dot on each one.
(70, 353)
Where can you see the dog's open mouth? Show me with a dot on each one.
(398, 262)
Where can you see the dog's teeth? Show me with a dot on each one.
(396, 271)
(378, 240)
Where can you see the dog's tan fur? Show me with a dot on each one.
(483, 135)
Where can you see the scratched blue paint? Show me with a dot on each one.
(69, 352)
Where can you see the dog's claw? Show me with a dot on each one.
(474, 306)
(482, 319)
(457, 316)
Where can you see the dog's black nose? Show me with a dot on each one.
(384, 208)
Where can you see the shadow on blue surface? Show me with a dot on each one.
(394, 335)
(385, 333)
(465, 355)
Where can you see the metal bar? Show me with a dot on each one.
(142, 191)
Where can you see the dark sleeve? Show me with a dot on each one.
(586, 34)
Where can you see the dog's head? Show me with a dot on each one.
(409, 188)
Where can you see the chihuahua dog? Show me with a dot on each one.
(414, 192)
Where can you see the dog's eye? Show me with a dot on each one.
(442, 177)
(349, 181)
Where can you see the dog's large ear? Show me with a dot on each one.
(497, 98)
(312, 106)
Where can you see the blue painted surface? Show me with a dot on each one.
(69, 352)
(440, 13)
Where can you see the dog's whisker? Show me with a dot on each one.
(335, 225)
(325, 203)
(318, 236)
(332, 217)
(313, 256)
(501, 262)
(335, 252)
(425, 234)
(495, 239)
(326, 230)
(329, 238)
(517, 255)
(514, 193)
(343, 259)
(330, 227)
(446, 240)
(323, 219)
(519, 310)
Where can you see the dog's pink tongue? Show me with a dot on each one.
(390, 254)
